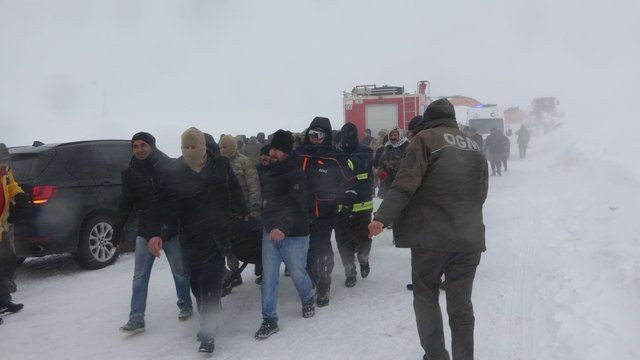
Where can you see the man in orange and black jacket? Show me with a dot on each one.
(329, 185)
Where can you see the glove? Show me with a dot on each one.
(19, 210)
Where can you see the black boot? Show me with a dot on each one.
(365, 269)
(308, 308)
(323, 297)
(207, 346)
(268, 328)
(350, 281)
(10, 308)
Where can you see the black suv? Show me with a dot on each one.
(73, 190)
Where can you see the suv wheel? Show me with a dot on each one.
(95, 249)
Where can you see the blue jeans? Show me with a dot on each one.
(143, 264)
(293, 251)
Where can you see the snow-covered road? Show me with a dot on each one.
(560, 280)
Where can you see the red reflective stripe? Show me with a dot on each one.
(304, 164)
(320, 162)
(317, 210)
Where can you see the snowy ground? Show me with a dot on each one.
(560, 280)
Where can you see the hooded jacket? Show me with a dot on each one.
(497, 146)
(203, 204)
(138, 187)
(329, 181)
(359, 159)
(436, 200)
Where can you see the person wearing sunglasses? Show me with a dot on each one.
(330, 184)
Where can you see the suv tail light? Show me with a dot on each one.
(42, 194)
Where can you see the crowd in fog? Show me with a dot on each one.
(278, 199)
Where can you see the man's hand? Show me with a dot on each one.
(155, 245)
(276, 235)
(375, 228)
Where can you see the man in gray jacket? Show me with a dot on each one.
(435, 207)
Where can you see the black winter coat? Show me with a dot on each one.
(202, 203)
(285, 199)
(360, 162)
(137, 193)
(329, 181)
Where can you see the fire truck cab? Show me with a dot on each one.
(384, 107)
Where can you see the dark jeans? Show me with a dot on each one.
(320, 257)
(352, 236)
(459, 269)
(206, 285)
(8, 266)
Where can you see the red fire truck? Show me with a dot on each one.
(384, 107)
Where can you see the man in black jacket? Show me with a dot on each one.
(286, 232)
(137, 193)
(201, 192)
(327, 181)
(352, 233)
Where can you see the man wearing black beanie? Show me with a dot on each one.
(137, 193)
(286, 232)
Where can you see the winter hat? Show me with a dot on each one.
(349, 136)
(228, 146)
(321, 123)
(439, 109)
(415, 124)
(196, 157)
(282, 140)
(4, 152)
(146, 137)
(211, 144)
(265, 150)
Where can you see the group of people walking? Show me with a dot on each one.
(296, 197)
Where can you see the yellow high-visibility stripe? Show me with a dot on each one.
(364, 206)
(363, 176)
(350, 164)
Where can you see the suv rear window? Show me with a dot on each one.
(117, 158)
(87, 163)
(27, 167)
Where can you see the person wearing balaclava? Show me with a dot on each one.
(202, 194)
(137, 194)
(247, 176)
(330, 183)
(435, 207)
(352, 234)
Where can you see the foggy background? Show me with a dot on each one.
(78, 69)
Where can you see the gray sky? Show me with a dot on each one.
(80, 69)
